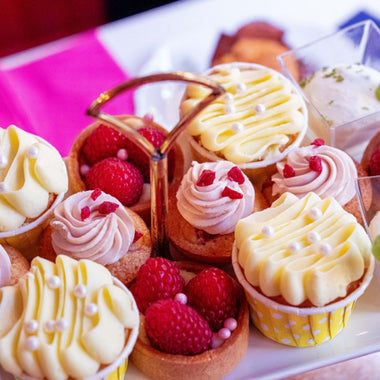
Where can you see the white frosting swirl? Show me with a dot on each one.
(103, 238)
(205, 208)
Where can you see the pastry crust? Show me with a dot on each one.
(210, 365)
(19, 264)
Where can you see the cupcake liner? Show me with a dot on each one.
(117, 369)
(300, 327)
(25, 238)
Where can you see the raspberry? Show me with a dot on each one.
(107, 207)
(374, 163)
(141, 159)
(103, 142)
(158, 278)
(231, 193)
(236, 175)
(288, 171)
(318, 142)
(212, 293)
(315, 163)
(175, 328)
(118, 178)
(206, 178)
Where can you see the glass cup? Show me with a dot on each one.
(359, 43)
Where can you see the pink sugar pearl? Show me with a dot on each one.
(230, 324)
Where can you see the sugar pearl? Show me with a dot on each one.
(148, 117)
(122, 154)
(230, 324)
(3, 161)
(90, 309)
(84, 169)
(53, 282)
(61, 324)
(325, 249)
(230, 109)
(216, 341)
(224, 333)
(32, 152)
(260, 108)
(238, 127)
(294, 247)
(31, 326)
(3, 187)
(267, 231)
(315, 213)
(49, 326)
(313, 237)
(228, 97)
(241, 86)
(80, 291)
(181, 298)
(32, 343)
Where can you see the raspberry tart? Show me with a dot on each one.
(195, 324)
(101, 157)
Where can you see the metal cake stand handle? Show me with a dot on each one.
(158, 156)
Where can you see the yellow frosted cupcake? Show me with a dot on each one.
(255, 124)
(67, 320)
(303, 263)
(33, 180)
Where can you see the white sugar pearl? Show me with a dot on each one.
(267, 231)
(313, 237)
(49, 326)
(32, 343)
(33, 152)
(3, 161)
(230, 109)
(148, 117)
(61, 324)
(241, 87)
(216, 341)
(260, 108)
(238, 127)
(122, 154)
(90, 309)
(3, 187)
(228, 97)
(325, 249)
(315, 213)
(181, 298)
(230, 324)
(294, 247)
(80, 291)
(31, 326)
(84, 169)
(224, 333)
(53, 282)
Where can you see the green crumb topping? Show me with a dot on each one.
(331, 102)
(306, 80)
(376, 247)
(365, 108)
(377, 92)
(333, 74)
(339, 78)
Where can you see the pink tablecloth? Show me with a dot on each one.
(49, 96)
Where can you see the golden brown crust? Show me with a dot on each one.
(210, 365)
(77, 184)
(214, 249)
(19, 264)
(126, 268)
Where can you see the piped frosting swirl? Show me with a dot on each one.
(5, 267)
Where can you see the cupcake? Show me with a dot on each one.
(33, 180)
(96, 226)
(254, 125)
(303, 264)
(67, 320)
(13, 265)
(104, 158)
(324, 170)
(202, 216)
(168, 347)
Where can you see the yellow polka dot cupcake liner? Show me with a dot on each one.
(299, 327)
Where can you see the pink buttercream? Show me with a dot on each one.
(336, 179)
(5, 267)
(103, 238)
(205, 208)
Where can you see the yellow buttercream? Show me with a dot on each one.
(82, 320)
(302, 249)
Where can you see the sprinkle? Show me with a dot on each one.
(80, 291)
(313, 237)
(32, 343)
(288, 171)
(315, 213)
(294, 247)
(238, 127)
(315, 164)
(61, 324)
(230, 109)
(224, 333)
(107, 207)
(90, 309)
(85, 213)
(49, 326)
(236, 175)
(233, 194)
(3, 161)
(206, 178)
(122, 154)
(181, 298)
(96, 194)
(318, 142)
(32, 152)
(325, 249)
(267, 231)
(53, 282)
(84, 169)
(260, 108)
(230, 324)
(137, 236)
(31, 326)
(4, 188)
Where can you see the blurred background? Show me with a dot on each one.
(28, 23)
